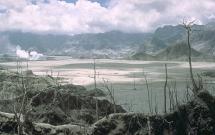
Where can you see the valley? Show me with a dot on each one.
(126, 76)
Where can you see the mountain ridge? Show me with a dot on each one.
(113, 44)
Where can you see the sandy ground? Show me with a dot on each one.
(123, 74)
(84, 76)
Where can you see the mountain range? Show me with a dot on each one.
(177, 52)
(113, 44)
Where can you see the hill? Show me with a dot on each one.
(143, 56)
(202, 37)
(179, 51)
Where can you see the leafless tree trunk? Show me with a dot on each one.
(188, 27)
(111, 93)
(170, 99)
(176, 94)
(21, 107)
(94, 68)
(95, 88)
(134, 83)
(148, 92)
(165, 86)
(27, 66)
(18, 110)
(149, 126)
(156, 105)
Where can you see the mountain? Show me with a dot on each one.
(143, 56)
(167, 35)
(202, 37)
(113, 39)
(179, 51)
(113, 44)
(166, 40)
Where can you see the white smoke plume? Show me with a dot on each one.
(30, 55)
(35, 55)
(21, 53)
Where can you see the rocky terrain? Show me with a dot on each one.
(49, 104)
(54, 109)
(194, 118)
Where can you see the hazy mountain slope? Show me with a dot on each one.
(169, 38)
(112, 44)
(143, 56)
(168, 35)
(45, 42)
(177, 52)
(202, 37)
(204, 41)
(40, 42)
(113, 39)
(84, 45)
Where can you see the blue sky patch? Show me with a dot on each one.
(102, 2)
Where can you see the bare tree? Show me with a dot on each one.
(111, 92)
(176, 94)
(21, 107)
(95, 73)
(165, 86)
(134, 82)
(149, 94)
(188, 27)
(149, 125)
(95, 88)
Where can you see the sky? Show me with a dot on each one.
(97, 16)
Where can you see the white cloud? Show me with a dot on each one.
(14, 4)
(86, 17)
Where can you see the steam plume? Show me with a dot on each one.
(30, 55)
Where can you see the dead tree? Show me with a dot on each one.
(111, 92)
(176, 94)
(188, 27)
(95, 73)
(165, 86)
(134, 83)
(21, 107)
(95, 88)
(149, 95)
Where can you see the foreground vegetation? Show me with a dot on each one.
(40, 105)
(28, 100)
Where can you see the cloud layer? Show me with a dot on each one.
(86, 16)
